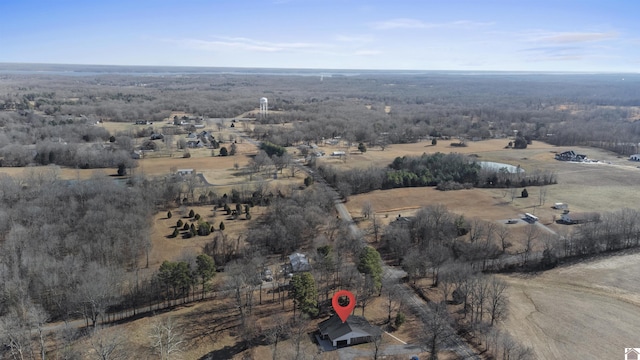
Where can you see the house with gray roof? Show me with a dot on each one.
(298, 262)
(356, 330)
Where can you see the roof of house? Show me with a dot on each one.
(299, 262)
(335, 328)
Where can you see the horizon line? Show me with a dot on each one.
(604, 72)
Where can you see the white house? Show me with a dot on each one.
(185, 172)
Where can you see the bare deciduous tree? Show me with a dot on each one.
(367, 209)
(166, 338)
(277, 332)
(436, 329)
(108, 344)
(496, 299)
(532, 232)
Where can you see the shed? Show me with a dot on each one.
(560, 206)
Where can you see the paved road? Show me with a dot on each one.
(452, 341)
(351, 353)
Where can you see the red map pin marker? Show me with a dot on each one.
(343, 311)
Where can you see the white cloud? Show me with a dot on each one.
(574, 37)
(406, 23)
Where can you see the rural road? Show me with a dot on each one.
(351, 353)
(452, 341)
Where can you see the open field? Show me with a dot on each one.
(163, 247)
(584, 311)
(605, 186)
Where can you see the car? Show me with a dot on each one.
(267, 275)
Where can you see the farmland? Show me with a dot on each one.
(557, 311)
(290, 213)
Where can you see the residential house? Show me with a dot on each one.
(298, 262)
(356, 330)
(185, 172)
(570, 156)
(192, 144)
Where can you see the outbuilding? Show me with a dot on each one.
(579, 218)
(560, 206)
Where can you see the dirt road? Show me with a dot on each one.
(452, 341)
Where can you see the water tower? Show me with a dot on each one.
(264, 106)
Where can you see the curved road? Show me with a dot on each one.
(451, 340)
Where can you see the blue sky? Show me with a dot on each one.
(515, 35)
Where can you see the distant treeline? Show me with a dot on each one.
(374, 108)
(445, 171)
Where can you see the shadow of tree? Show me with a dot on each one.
(226, 352)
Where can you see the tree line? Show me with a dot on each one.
(445, 171)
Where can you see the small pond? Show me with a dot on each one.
(499, 166)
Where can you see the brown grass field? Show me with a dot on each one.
(600, 187)
(587, 310)
(583, 311)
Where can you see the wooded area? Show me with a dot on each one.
(73, 248)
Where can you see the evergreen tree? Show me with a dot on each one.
(370, 263)
(305, 295)
(205, 269)
(122, 170)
